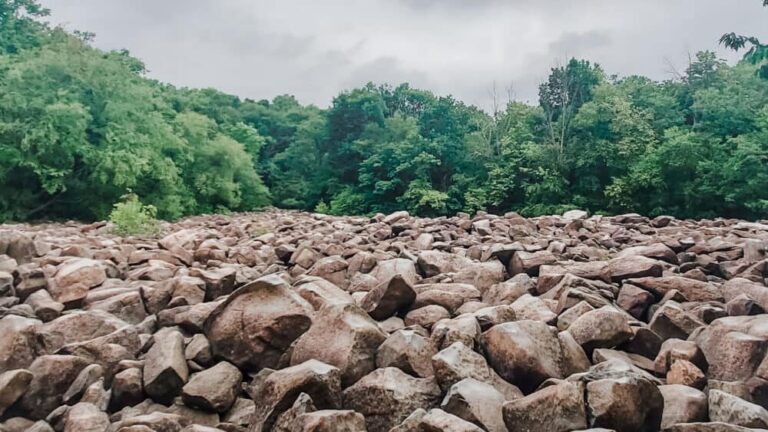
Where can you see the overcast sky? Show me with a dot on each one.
(316, 48)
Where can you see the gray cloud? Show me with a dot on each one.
(314, 49)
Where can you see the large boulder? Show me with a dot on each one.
(387, 269)
(343, 336)
(52, 376)
(74, 278)
(526, 353)
(13, 384)
(633, 266)
(213, 389)
(165, 368)
(387, 396)
(18, 344)
(601, 328)
(409, 351)
(620, 396)
(556, 408)
(629, 403)
(78, 326)
(388, 298)
(672, 321)
(257, 323)
(458, 362)
(476, 402)
(682, 404)
(85, 417)
(691, 289)
(727, 408)
(734, 347)
(275, 391)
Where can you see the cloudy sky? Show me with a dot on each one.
(316, 48)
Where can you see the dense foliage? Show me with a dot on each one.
(80, 127)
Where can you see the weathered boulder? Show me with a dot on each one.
(628, 403)
(556, 408)
(51, 377)
(621, 396)
(254, 326)
(530, 263)
(388, 298)
(18, 345)
(634, 300)
(79, 326)
(387, 269)
(458, 362)
(525, 353)
(635, 266)
(601, 328)
(682, 404)
(74, 278)
(320, 292)
(658, 251)
(343, 336)
(275, 391)
(691, 289)
(437, 419)
(387, 396)
(85, 417)
(409, 351)
(165, 368)
(476, 402)
(448, 295)
(727, 408)
(734, 347)
(13, 384)
(671, 321)
(213, 389)
(127, 388)
(426, 316)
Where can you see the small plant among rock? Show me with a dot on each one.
(131, 217)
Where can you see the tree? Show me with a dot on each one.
(18, 28)
(757, 52)
(566, 90)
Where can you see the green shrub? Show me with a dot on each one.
(322, 208)
(131, 217)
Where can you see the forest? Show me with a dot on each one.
(80, 128)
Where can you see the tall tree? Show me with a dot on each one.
(757, 52)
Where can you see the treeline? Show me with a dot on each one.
(80, 127)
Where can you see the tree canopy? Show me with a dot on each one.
(81, 127)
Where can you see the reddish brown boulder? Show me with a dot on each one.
(165, 368)
(388, 298)
(275, 391)
(633, 267)
(387, 396)
(409, 351)
(13, 384)
(342, 336)
(601, 328)
(254, 326)
(18, 345)
(682, 404)
(556, 408)
(525, 353)
(52, 376)
(691, 289)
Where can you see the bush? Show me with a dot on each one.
(322, 208)
(131, 217)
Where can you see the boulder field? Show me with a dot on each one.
(291, 321)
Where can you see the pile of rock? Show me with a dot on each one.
(289, 321)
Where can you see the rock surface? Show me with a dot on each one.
(291, 321)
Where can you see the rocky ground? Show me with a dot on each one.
(287, 321)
